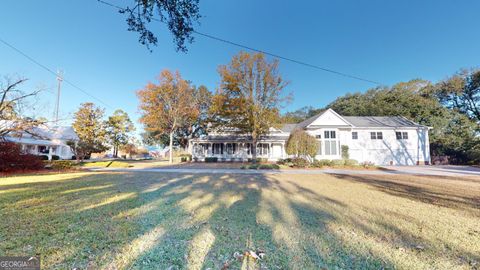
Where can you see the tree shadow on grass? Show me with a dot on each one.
(179, 221)
(427, 194)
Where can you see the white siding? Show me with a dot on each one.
(388, 150)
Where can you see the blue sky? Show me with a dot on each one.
(385, 41)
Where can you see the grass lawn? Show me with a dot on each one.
(175, 221)
(106, 164)
(138, 164)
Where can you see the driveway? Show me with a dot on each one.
(387, 170)
(451, 170)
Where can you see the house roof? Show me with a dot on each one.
(288, 127)
(238, 138)
(303, 124)
(358, 121)
(45, 132)
(380, 121)
(55, 132)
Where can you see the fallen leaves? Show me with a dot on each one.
(259, 254)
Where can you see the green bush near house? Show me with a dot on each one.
(345, 154)
(60, 165)
(211, 159)
(185, 157)
(338, 162)
(284, 161)
(261, 167)
(300, 162)
(258, 160)
(322, 163)
(351, 162)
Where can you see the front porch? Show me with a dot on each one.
(236, 151)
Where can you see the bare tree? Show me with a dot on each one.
(12, 102)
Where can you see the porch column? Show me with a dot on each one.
(270, 150)
(224, 149)
(211, 149)
(49, 153)
(283, 149)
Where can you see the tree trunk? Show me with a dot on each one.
(170, 158)
(254, 150)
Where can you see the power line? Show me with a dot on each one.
(262, 51)
(52, 72)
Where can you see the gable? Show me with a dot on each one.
(329, 118)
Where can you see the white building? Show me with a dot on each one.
(45, 140)
(392, 140)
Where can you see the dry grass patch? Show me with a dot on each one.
(156, 221)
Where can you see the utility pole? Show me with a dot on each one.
(57, 105)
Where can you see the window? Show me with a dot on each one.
(249, 147)
(330, 142)
(318, 136)
(354, 135)
(263, 149)
(401, 135)
(218, 148)
(42, 149)
(231, 148)
(330, 134)
(376, 135)
(331, 147)
(198, 149)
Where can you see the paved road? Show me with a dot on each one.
(388, 170)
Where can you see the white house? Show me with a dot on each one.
(392, 140)
(46, 140)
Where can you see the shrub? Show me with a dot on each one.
(268, 167)
(43, 157)
(61, 165)
(258, 160)
(367, 164)
(55, 157)
(211, 159)
(338, 162)
(185, 157)
(261, 167)
(285, 161)
(300, 162)
(250, 166)
(300, 143)
(12, 159)
(351, 162)
(322, 163)
(345, 154)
